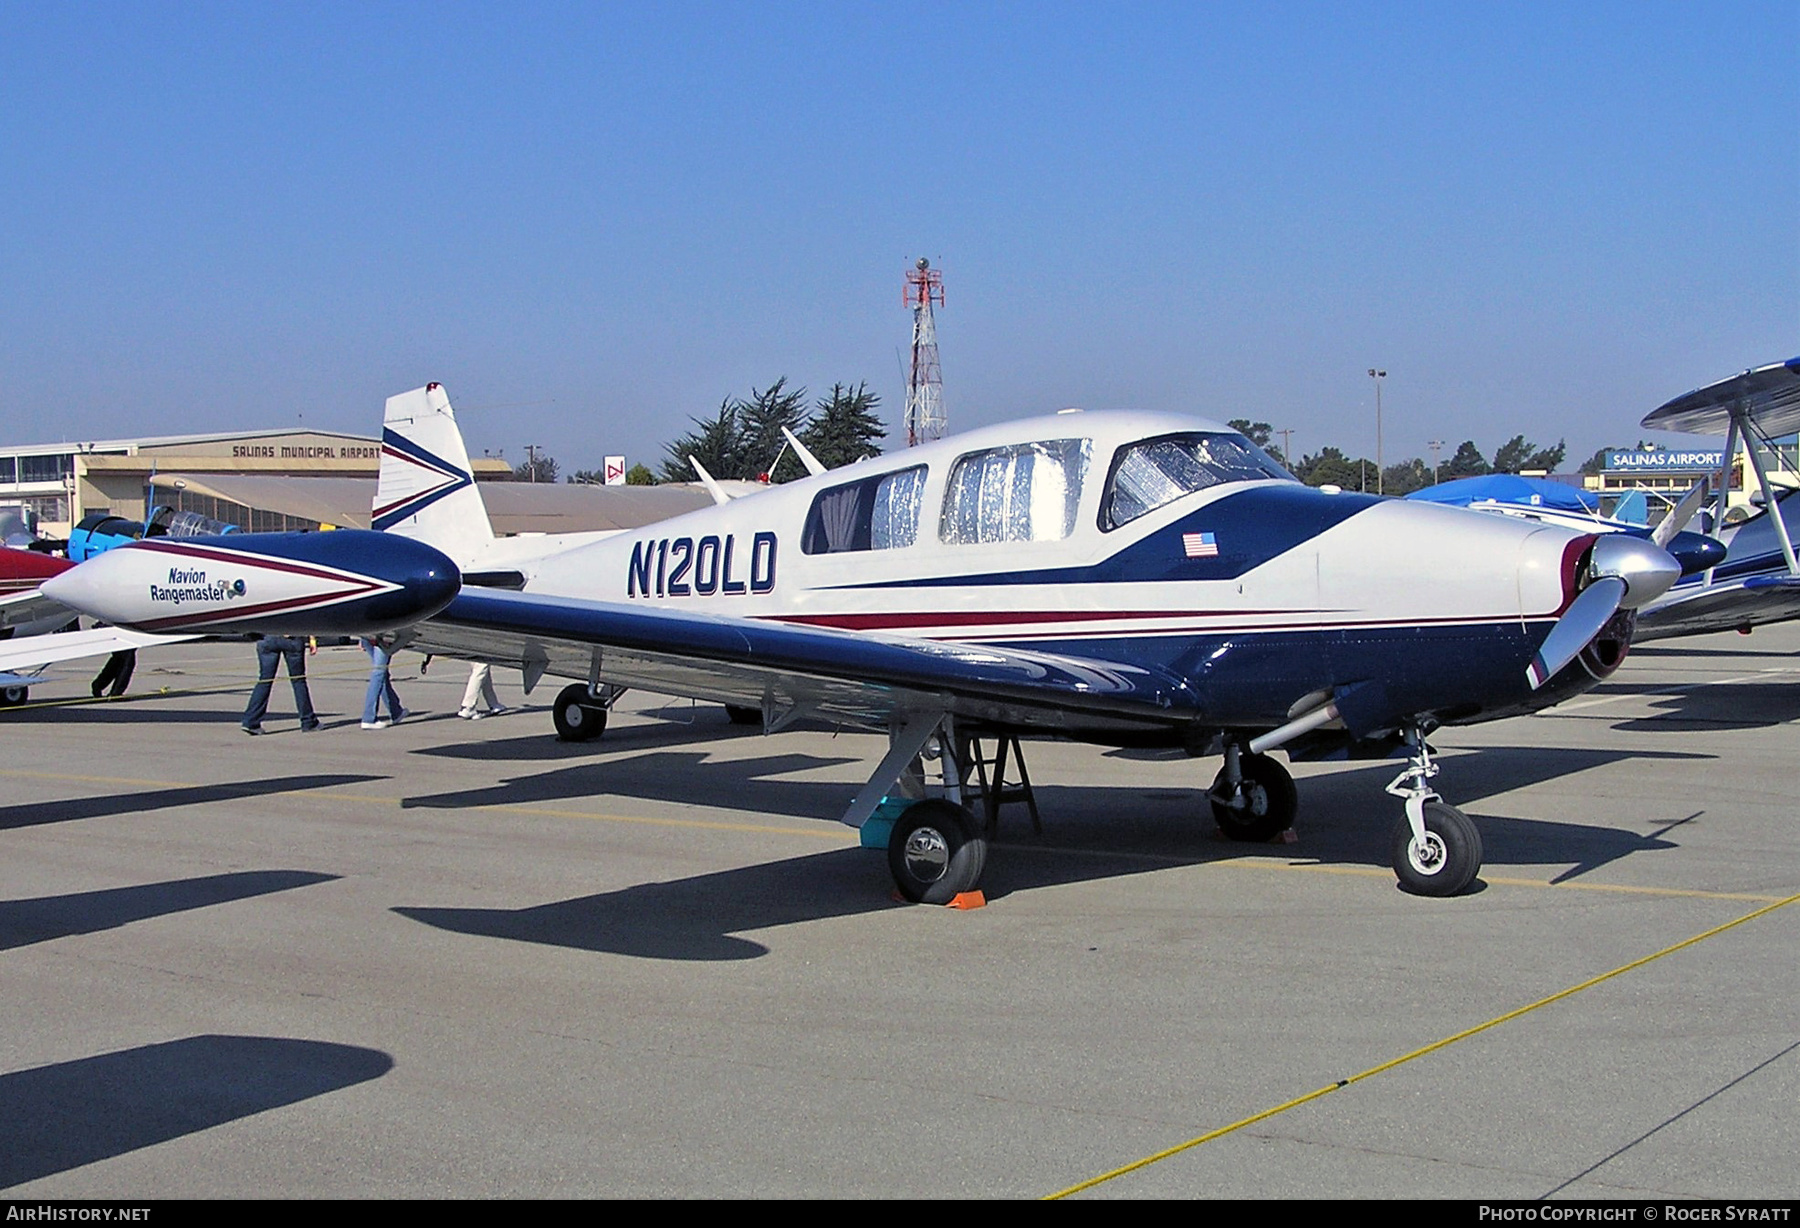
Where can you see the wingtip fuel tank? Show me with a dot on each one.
(346, 582)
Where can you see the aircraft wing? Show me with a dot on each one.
(1726, 606)
(19, 609)
(36, 650)
(798, 670)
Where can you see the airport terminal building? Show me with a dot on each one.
(290, 479)
(62, 482)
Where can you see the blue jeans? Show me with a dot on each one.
(379, 686)
(269, 652)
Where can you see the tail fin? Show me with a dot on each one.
(427, 489)
(1633, 508)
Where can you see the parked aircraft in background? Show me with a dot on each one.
(1758, 580)
(27, 614)
(1508, 494)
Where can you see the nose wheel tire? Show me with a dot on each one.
(1267, 797)
(578, 718)
(936, 852)
(1448, 859)
(13, 696)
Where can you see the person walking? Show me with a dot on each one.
(480, 688)
(270, 651)
(116, 673)
(381, 688)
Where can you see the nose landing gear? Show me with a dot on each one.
(1436, 847)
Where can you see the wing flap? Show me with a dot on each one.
(856, 676)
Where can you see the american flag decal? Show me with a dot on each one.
(1199, 545)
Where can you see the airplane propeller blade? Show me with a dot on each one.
(1576, 629)
(1683, 512)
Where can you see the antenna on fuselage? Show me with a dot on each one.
(706, 479)
(813, 464)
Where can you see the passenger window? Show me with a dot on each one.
(1024, 492)
(880, 513)
(1149, 474)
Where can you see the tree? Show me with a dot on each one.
(719, 446)
(586, 477)
(1595, 463)
(844, 427)
(1259, 433)
(1517, 455)
(1330, 467)
(1406, 477)
(639, 475)
(539, 468)
(761, 420)
(1468, 462)
(1548, 459)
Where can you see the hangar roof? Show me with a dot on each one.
(513, 507)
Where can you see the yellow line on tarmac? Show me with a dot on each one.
(1268, 863)
(1254, 861)
(1433, 1047)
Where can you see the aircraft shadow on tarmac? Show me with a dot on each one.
(131, 710)
(1096, 833)
(23, 922)
(694, 918)
(36, 814)
(54, 1118)
(1724, 705)
(687, 777)
(533, 741)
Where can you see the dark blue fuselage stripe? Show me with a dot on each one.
(1248, 528)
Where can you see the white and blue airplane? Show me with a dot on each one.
(1128, 578)
(1758, 579)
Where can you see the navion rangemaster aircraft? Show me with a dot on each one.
(1127, 578)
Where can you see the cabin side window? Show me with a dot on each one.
(880, 513)
(1148, 474)
(1020, 493)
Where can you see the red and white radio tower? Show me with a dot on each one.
(925, 383)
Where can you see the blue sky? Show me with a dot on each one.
(593, 222)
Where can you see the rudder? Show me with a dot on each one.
(426, 490)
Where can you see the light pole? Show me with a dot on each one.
(1377, 376)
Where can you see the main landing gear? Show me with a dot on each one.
(1437, 848)
(936, 851)
(580, 712)
(13, 696)
(1253, 798)
(936, 847)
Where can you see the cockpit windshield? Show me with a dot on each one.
(1148, 474)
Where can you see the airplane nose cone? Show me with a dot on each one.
(79, 588)
(1646, 568)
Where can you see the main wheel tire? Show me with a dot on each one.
(1450, 858)
(578, 718)
(936, 852)
(1270, 800)
(737, 714)
(13, 696)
